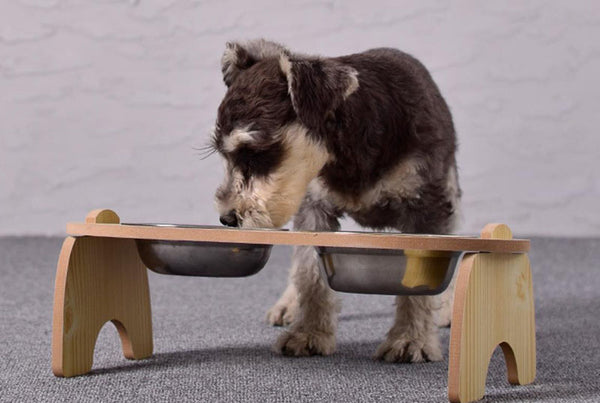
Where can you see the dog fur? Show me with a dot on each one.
(366, 135)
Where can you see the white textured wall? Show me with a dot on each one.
(103, 102)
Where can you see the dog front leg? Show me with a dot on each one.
(313, 329)
(284, 310)
(414, 337)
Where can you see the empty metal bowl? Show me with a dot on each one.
(205, 259)
(392, 272)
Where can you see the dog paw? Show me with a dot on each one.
(403, 349)
(282, 315)
(302, 344)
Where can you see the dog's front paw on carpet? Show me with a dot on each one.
(402, 349)
(282, 315)
(303, 344)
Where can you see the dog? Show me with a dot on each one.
(366, 135)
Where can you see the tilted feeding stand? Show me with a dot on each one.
(100, 277)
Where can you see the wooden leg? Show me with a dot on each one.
(493, 305)
(99, 280)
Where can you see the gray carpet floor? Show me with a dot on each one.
(212, 344)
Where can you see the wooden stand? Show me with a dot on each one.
(101, 278)
(493, 305)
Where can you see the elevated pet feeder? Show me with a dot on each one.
(101, 276)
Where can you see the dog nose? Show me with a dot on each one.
(229, 219)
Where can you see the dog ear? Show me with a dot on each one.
(317, 87)
(235, 58)
(240, 56)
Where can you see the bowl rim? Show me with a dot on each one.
(198, 226)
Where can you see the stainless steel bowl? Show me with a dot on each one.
(391, 272)
(205, 259)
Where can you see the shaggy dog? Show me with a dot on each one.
(366, 135)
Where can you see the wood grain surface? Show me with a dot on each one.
(278, 237)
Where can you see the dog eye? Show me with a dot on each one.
(252, 162)
(330, 122)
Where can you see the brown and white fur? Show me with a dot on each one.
(366, 135)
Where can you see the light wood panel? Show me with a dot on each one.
(334, 239)
(99, 280)
(493, 305)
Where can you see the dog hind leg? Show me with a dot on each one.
(414, 336)
(446, 299)
(443, 314)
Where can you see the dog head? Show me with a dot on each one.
(272, 127)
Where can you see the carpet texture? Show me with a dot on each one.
(211, 342)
